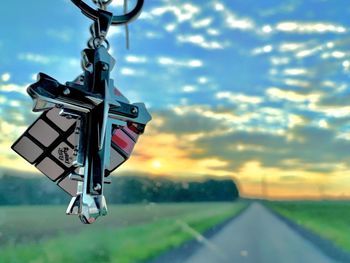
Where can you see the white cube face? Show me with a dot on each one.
(63, 123)
(49, 144)
(27, 149)
(42, 132)
(50, 168)
(70, 186)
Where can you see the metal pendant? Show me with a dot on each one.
(87, 128)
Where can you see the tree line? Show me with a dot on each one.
(123, 190)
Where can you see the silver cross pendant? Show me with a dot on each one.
(87, 128)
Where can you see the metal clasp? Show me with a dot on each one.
(116, 20)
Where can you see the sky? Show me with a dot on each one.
(257, 91)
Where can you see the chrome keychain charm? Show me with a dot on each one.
(87, 128)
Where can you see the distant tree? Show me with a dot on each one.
(124, 190)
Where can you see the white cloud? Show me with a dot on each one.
(297, 83)
(295, 71)
(136, 59)
(330, 84)
(200, 41)
(292, 96)
(279, 60)
(213, 32)
(114, 31)
(338, 54)
(128, 72)
(291, 46)
(153, 35)
(237, 23)
(232, 20)
(334, 54)
(145, 15)
(182, 13)
(262, 50)
(219, 7)
(295, 120)
(195, 63)
(170, 27)
(6, 77)
(192, 63)
(36, 58)
(239, 97)
(300, 27)
(203, 80)
(346, 63)
(331, 111)
(189, 89)
(117, 3)
(310, 48)
(15, 103)
(202, 23)
(266, 29)
(34, 77)
(13, 88)
(307, 52)
(323, 124)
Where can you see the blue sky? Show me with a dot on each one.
(240, 88)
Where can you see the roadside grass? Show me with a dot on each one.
(328, 219)
(132, 233)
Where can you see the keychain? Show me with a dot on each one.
(87, 128)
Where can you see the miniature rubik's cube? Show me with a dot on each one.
(51, 142)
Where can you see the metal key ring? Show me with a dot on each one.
(117, 20)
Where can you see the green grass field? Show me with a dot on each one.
(330, 220)
(130, 233)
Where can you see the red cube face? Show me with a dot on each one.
(132, 132)
(123, 141)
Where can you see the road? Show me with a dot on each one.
(257, 236)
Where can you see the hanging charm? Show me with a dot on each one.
(87, 128)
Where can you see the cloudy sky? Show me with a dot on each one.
(253, 90)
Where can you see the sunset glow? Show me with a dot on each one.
(156, 164)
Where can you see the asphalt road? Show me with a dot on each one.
(257, 236)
